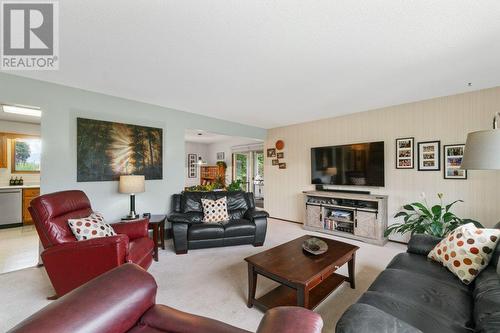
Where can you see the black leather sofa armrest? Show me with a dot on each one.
(364, 318)
(253, 214)
(422, 244)
(180, 237)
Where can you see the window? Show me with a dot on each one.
(26, 155)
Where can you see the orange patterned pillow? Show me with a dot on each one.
(466, 251)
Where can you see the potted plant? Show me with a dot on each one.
(420, 218)
(221, 164)
(235, 185)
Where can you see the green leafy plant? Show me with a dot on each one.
(221, 164)
(420, 218)
(235, 185)
(219, 182)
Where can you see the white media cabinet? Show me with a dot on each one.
(358, 216)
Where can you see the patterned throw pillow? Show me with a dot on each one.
(466, 251)
(89, 227)
(215, 210)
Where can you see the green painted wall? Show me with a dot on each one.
(61, 106)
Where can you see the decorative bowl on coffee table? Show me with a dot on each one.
(315, 246)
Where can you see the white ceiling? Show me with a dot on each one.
(271, 63)
(201, 136)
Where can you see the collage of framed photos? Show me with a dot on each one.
(276, 155)
(429, 157)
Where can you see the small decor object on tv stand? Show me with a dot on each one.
(323, 188)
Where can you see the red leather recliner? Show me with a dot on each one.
(71, 263)
(123, 300)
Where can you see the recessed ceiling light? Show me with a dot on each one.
(469, 84)
(200, 133)
(22, 110)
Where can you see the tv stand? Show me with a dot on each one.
(356, 215)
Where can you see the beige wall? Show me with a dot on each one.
(448, 119)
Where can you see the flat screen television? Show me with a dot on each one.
(360, 164)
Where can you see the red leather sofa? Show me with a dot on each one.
(71, 263)
(123, 300)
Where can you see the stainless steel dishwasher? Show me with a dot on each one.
(11, 206)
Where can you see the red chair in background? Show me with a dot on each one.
(71, 263)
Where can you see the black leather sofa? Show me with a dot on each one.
(414, 294)
(247, 224)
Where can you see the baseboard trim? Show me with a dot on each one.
(277, 218)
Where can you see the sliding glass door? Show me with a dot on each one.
(249, 168)
(241, 168)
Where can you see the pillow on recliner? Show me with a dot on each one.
(215, 211)
(89, 227)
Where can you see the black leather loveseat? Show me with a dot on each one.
(414, 295)
(247, 224)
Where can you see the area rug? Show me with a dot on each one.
(208, 282)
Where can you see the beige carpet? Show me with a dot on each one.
(208, 282)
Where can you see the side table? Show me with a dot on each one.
(157, 224)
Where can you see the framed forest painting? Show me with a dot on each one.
(106, 150)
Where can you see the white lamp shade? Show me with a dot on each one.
(482, 151)
(131, 184)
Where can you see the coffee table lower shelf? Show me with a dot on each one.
(286, 296)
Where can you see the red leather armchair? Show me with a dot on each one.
(71, 263)
(123, 300)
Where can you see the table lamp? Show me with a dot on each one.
(132, 184)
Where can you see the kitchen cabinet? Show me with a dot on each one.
(28, 195)
(3, 151)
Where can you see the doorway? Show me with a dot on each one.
(20, 155)
(248, 167)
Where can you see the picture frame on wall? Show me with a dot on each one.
(106, 150)
(405, 156)
(429, 156)
(271, 152)
(280, 155)
(192, 167)
(453, 155)
(221, 156)
(282, 166)
(275, 162)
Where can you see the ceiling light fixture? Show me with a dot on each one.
(22, 110)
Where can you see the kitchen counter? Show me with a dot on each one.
(19, 186)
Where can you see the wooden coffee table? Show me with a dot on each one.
(305, 279)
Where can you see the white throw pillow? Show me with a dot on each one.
(466, 251)
(215, 210)
(89, 227)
